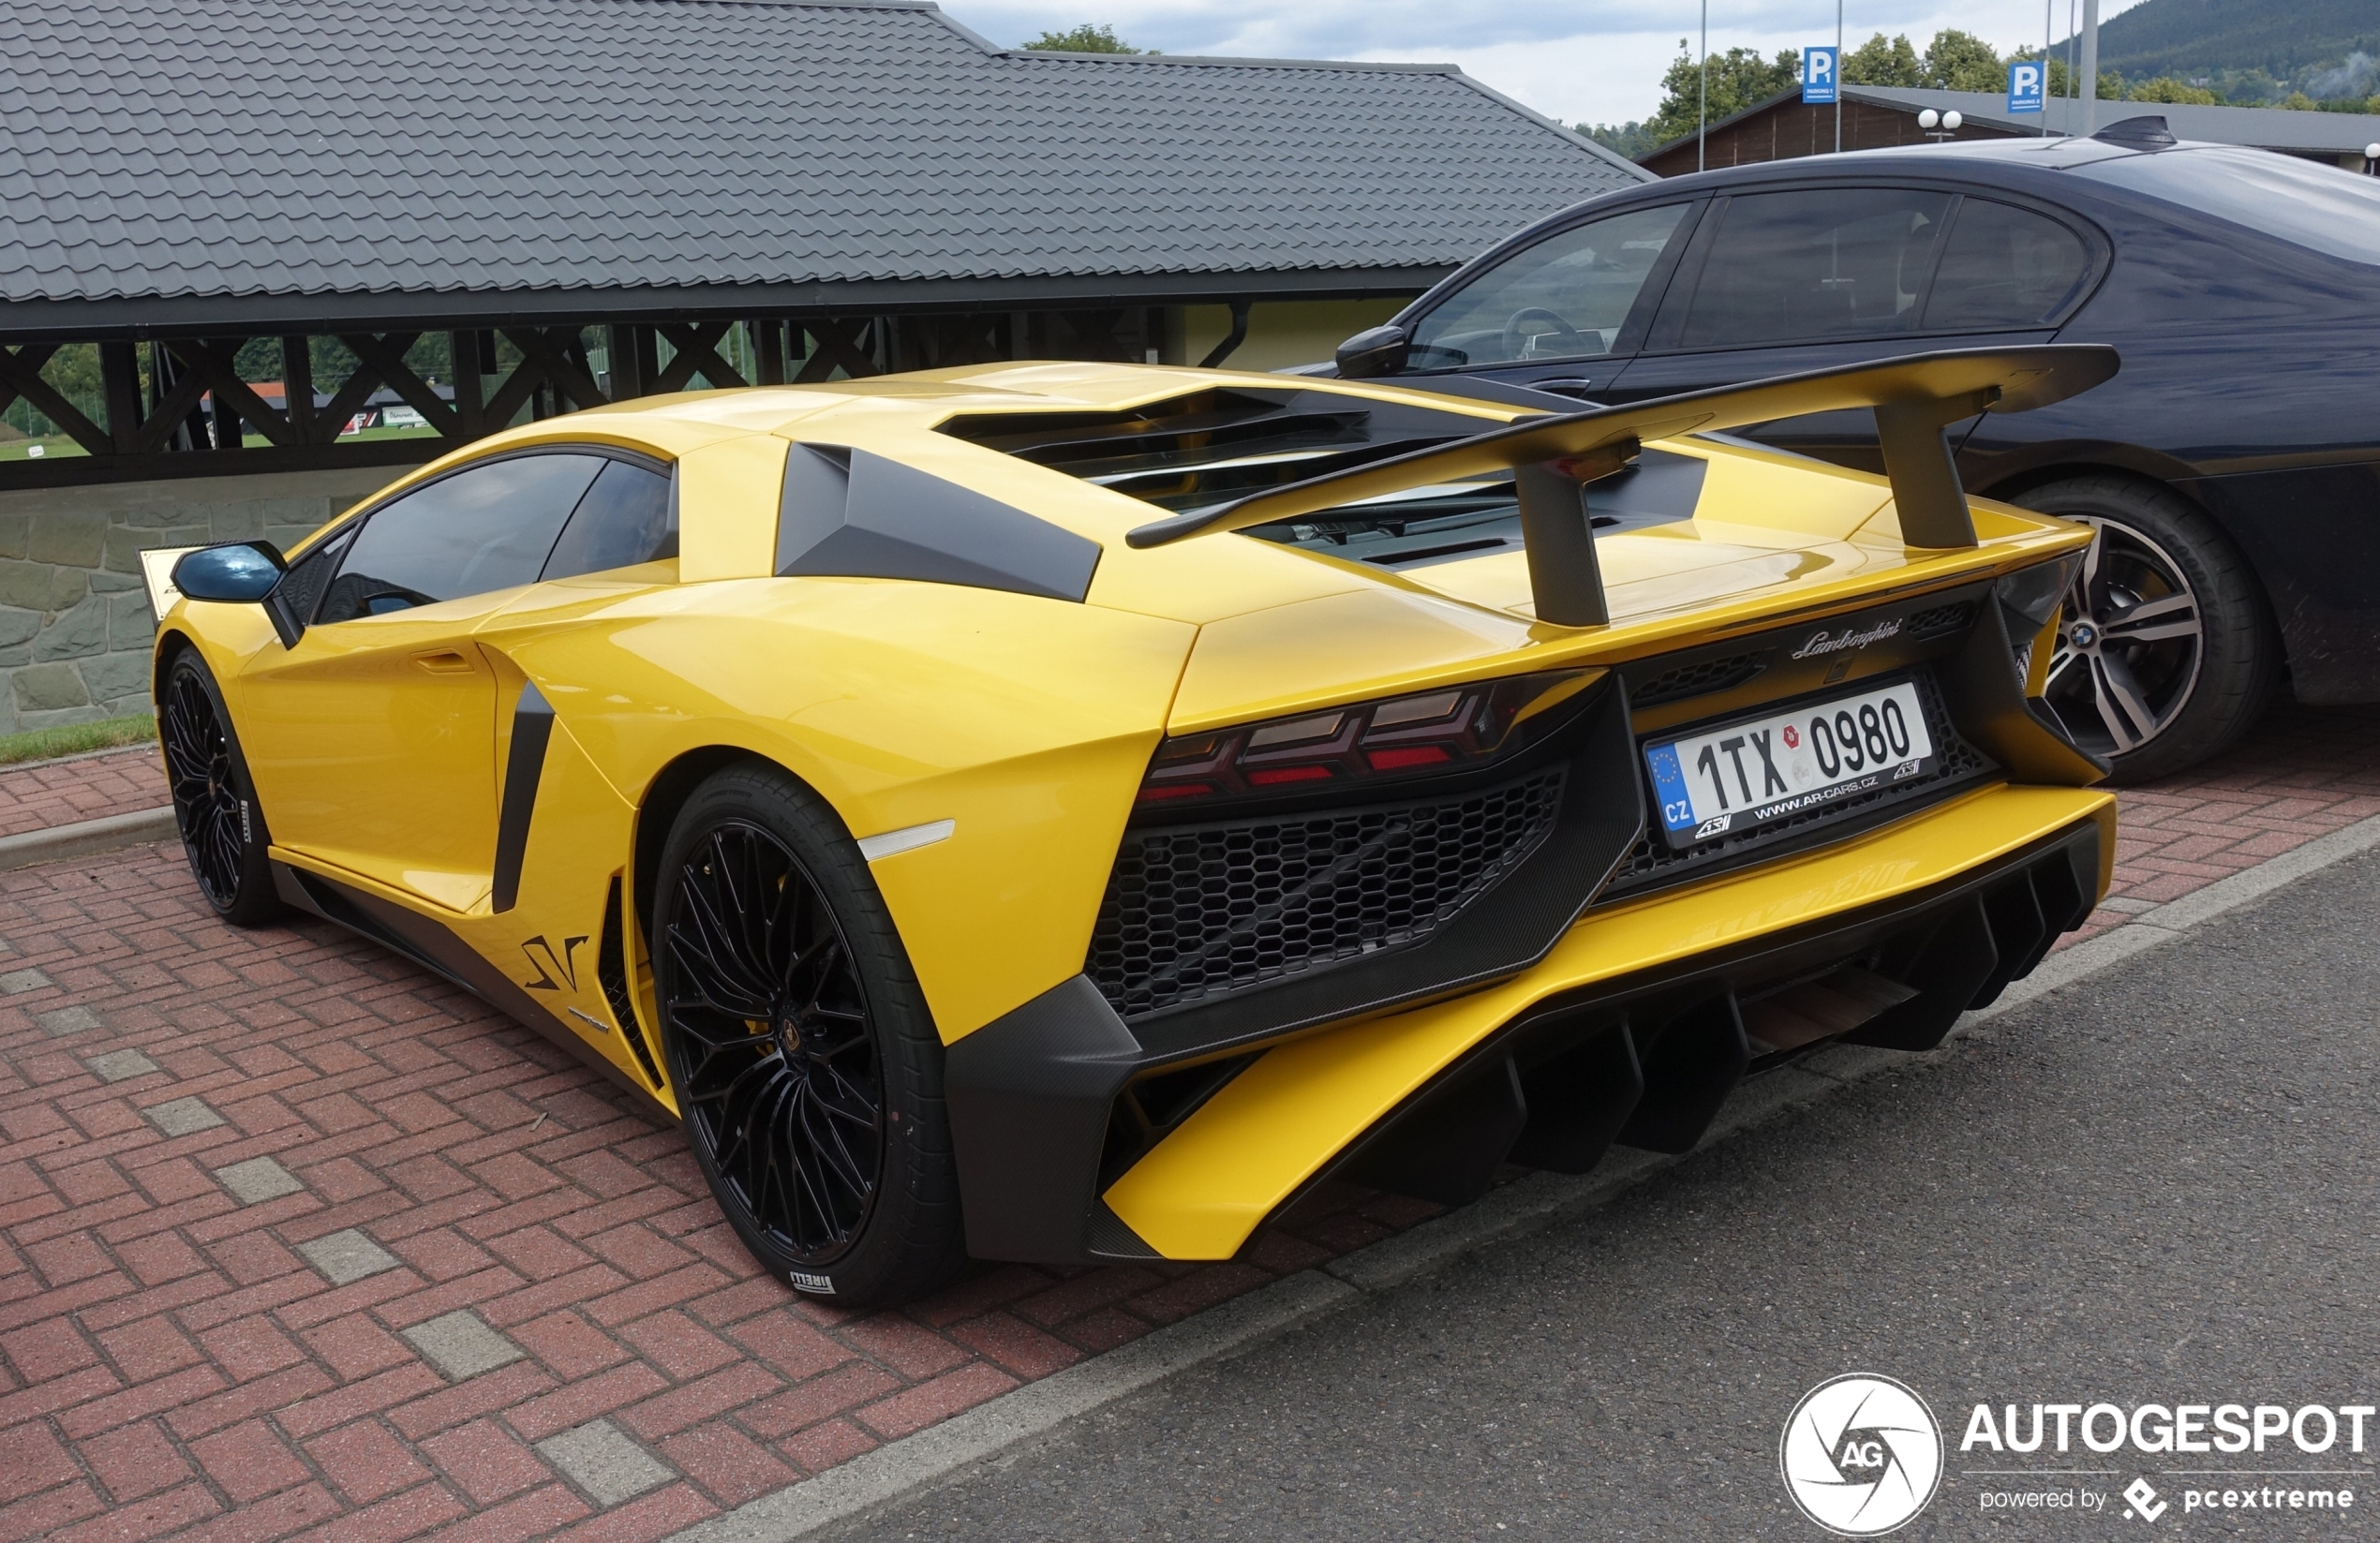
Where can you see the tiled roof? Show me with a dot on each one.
(154, 149)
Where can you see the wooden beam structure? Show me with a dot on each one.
(189, 413)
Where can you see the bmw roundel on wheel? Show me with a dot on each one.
(1063, 812)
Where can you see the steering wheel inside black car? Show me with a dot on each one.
(1516, 340)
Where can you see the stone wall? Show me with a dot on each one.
(75, 627)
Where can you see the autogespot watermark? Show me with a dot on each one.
(1862, 1456)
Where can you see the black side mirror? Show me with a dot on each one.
(240, 573)
(1377, 350)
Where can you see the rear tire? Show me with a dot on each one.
(805, 1061)
(2166, 651)
(215, 804)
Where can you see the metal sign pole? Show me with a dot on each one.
(2089, 65)
(1838, 76)
(1703, 100)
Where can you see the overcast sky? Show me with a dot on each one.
(1598, 61)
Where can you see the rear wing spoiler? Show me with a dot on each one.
(1915, 397)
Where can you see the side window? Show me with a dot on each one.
(2004, 268)
(486, 527)
(626, 517)
(1566, 297)
(1814, 264)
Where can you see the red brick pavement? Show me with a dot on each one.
(2303, 772)
(83, 786)
(296, 1239)
(175, 1360)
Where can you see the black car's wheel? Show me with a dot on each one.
(2165, 652)
(805, 1062)
(214, 804)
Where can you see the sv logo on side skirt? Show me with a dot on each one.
(543, 960)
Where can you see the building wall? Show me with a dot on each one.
(75, 627)
(1790, 129)
(1306, 331)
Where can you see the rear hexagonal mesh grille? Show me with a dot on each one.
(1196, 911)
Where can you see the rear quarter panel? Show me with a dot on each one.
(1027, 722)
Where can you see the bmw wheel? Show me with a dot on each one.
(2166, 654)
(215, 806)
(806, 1064)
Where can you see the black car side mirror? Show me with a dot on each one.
(240, 573)
(1377, 350)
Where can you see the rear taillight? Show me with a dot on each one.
(1451, 730)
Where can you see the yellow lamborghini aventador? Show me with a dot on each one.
(1066, 811)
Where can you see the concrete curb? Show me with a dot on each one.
(1528, 1204)
(86, 837)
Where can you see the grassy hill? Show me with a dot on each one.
(2240, 45)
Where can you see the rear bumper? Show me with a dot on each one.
(1627, 1029)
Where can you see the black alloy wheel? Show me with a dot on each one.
(2167, 652)
(805, 1065)
(780, 1067)
(215, 804)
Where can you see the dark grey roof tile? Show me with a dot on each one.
(260, 147)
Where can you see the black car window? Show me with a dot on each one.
(1815, 263)
(1566, 297)
(2323, 207)
(2003, 268)
(626, 517)
(488, 526)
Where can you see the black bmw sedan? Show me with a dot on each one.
(2231, 469)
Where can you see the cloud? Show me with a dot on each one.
(1596, 61)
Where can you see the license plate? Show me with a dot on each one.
(1727, 780)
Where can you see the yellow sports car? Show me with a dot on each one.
(1066, 811)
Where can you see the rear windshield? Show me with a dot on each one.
(2295, 200)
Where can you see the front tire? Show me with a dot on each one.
(806, 1064)
(215, 804)
(2166, 653)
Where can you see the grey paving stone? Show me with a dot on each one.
(346, 1256)
(68, 1020)
(120, 1065)
(606, 1464)
(182, 1116)
(257, 1181)
(462, 1345)
(28, 979)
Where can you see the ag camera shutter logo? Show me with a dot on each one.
(1860, 1455)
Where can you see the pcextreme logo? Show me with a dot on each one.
(1861, 1454)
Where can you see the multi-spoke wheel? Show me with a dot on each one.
(803, 1059)
(214, 802)
(2165, 653)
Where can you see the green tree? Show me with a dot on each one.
(1880, 63)
(1738, 79)
(2164, 88)
(1086, 38)
(1960, 60)
(2061, 82)
(1628, 138)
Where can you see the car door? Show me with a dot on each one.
(1561, 313)
(372, 738)
(1810, 278)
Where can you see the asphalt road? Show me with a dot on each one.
(2160, 1185)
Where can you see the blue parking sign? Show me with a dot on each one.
(2025, 79)
(1818, 76)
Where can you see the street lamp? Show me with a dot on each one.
(2372, 160)
(1949, 123)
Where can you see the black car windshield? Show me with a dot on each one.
(2295, 200)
